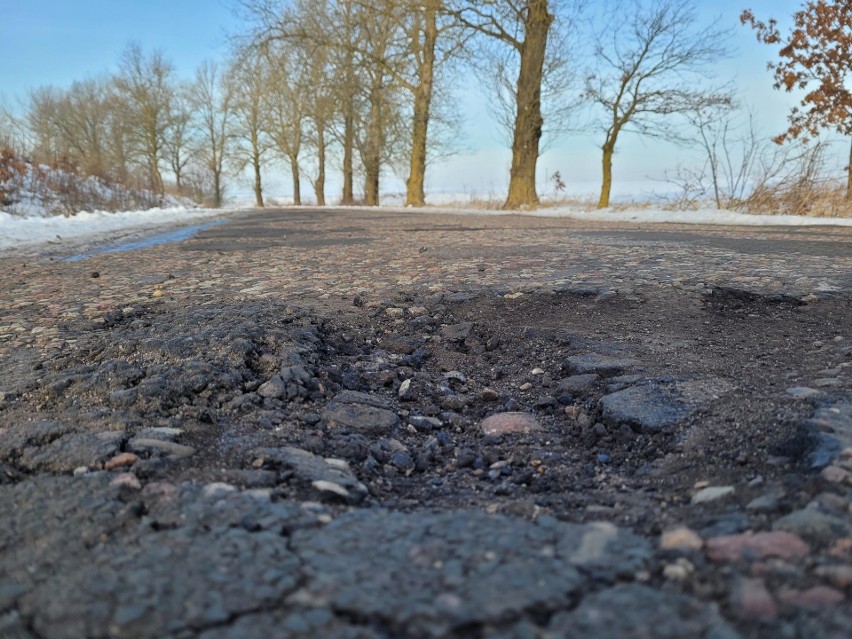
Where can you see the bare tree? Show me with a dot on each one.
(287, 108)
(146, 83)
(213, 101)
(652, 58)
(497, 65)
(179, 142)
(118, 134)
(249, 79)
(322, 108)
(524, 26)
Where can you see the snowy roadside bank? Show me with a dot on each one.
(20, 232)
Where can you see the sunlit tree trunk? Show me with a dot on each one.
(319, 183)
(606, 182)
(416, 187)
(529, 121)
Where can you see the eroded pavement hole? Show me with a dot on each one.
(585, 425)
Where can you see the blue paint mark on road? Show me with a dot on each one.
(155, 240)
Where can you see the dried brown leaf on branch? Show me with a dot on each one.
(816, 57)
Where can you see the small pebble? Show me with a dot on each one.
(119, 461)
(678, 571)
(126, 479)
(712, 493)
(681, 538)
(489, 395)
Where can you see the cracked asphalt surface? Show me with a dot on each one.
(379, 424)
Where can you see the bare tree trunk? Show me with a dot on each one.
(297, 180)
(319, 184)
(349, 122)
(606, 183)
(258, 186)
(348, 159)
(156, 177)
(529, 121)
(849, 176)
(217, 189)
(416, 187)
(373, 150)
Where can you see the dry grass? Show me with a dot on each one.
(815, 198)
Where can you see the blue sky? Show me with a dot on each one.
(58, 41)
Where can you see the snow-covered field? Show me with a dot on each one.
(23, 231)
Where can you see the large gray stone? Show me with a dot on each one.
(358, 411)
(649, 407)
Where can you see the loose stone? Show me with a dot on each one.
(162, 447)
(731, 548)
(275, 388)
(815, 525)
(679, 571)
(126, 479)
(120, 461)
(505, 423)
(489, 395)
(405, 391)
(836, 475)
(812, 598)
(712, 493)
(681, 539)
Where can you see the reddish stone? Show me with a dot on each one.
(758, 546)
(812, 598)
(752, 600)
(503, 423)
(119, 461)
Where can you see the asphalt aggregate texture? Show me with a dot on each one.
(596, 458)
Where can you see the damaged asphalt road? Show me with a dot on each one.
(572, 461)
